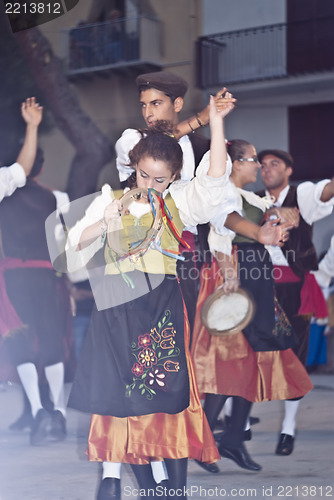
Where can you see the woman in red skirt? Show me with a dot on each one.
(257, 364)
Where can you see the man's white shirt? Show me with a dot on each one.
(310, 206)
(11, 178)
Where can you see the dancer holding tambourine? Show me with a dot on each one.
(135, 374)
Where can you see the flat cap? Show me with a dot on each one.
(282, 155)
(166, 82)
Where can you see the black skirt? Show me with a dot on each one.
(270, 329)
(133, 359)
(36, 296)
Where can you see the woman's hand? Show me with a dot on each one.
(229, 273)
(31, 112)
(204, 115)
(113, 211)
(221, 106)
(229, 286)
(274, 233)
(286, 214)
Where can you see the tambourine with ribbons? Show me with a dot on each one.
(136, 244)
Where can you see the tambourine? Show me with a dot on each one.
(224, 315)
(153, 234)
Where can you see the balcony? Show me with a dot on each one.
(121, 45)
(278, 51)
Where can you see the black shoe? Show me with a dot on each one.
(253, 420)
(240, 456)
(40, 427)
(110, 488)
(285, 445)
(213, 468)
(58, 426)
(247, 436)
(23, 422)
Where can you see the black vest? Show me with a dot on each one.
(22, 221)
(299, 249)
(200, 146)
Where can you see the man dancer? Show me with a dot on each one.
(161, 97)
(26, 316)
(293, 263)
(14, 177)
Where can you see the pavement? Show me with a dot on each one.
(61, 471)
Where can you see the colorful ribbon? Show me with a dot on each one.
(167, 217)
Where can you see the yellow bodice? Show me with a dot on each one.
(134, 229)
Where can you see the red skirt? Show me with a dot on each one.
(229, 366)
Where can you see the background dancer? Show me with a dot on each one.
(256, 364)
(295, 261)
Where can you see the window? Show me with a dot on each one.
(311, 141)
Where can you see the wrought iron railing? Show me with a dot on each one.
(267, 52)
(94, 47)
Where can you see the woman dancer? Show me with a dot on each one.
(135, 375)
(257, 364)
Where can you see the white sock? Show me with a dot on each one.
(159, 471)
(228, 407)
(111, 469)
(29, 379)
(55, 377)
(289, 422)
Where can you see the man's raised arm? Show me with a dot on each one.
(32, 114)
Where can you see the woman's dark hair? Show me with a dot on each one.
(158, 143)
(237, 148)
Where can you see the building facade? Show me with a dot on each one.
(276, 57)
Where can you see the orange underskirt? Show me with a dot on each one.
(139, 440)
(228, 365)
